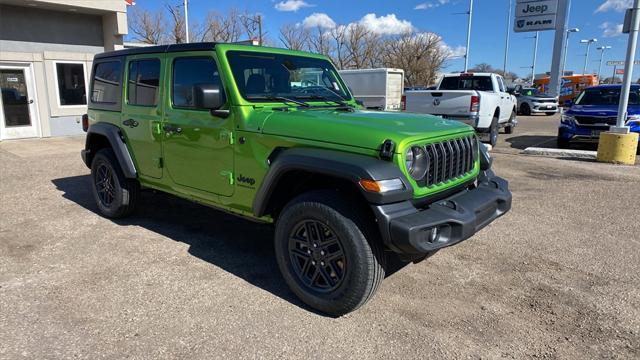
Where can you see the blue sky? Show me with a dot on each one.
(596, 19)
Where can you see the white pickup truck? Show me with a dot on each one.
(478, 99)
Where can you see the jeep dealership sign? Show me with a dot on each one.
(532, 15)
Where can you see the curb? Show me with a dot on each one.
(566, 153)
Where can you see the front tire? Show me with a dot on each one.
(525, 109)
(562, 142)
(115, 195)
(328, 253)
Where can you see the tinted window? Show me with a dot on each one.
(144, 79)
(106, 83)
(260, 77)
(189, 72)
(71, 89)
(481, 83)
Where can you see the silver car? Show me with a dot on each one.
(532, 101)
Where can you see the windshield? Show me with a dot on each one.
(269, 77)
(606, 96)
(480, 83)
(531, 92)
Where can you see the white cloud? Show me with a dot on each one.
(320, 20)
(610, 29)
(454, 52)
(430, 4)
(292, 5)
(386, 25)
(617, 5)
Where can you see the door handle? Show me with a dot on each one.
(130, 123)
(31, 101)
(171, 128)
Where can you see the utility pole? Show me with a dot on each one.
(566, 48)
(586, 55)
(466, 53)
(506, 42)
(535, 55)
(260, 29)
(602, 49)
(186, 21)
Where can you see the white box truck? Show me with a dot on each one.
(379, 89)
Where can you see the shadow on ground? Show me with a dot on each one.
(239, 246)
(522, 142)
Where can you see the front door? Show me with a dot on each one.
(197, 145)
(18, 113)
(142, 112)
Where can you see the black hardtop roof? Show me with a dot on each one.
(159, 49)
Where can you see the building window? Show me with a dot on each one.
(71, 84)
(144, 78)
(106, 83)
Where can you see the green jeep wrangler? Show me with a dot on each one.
(275, 136)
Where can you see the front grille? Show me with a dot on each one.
(449, 159)
(590, 120)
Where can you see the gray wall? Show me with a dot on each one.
(38, 26)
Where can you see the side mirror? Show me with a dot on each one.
(208, 96)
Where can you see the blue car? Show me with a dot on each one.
(594, 111)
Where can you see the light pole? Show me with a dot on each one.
(586, 55)
(535, 55)
(506, 42)
(566, 46)
(186, 21)
(466, 52)
(602, 49)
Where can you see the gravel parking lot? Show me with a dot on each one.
(557, 277)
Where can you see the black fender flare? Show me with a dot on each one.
(115, 138)
(342, 165)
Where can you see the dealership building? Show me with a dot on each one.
(46, 51)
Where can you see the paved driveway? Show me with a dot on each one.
(557, 277)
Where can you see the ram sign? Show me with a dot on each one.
(535, 15)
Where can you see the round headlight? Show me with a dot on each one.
(416, 162)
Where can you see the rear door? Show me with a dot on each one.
(142, 112)
(198, 146)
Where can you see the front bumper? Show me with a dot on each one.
(409, 230)
(544, 108)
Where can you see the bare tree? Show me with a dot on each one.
(252, 25)
(177, 32)
(147, 26)
(483, 67)
(421, 56)
(294, 37)
(223, 28)
(319, 41)
(340, 55)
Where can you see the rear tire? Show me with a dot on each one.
(328, 253)
(115, 195)
(509, 128)
(493, 131)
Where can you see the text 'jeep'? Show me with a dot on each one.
(274, 135)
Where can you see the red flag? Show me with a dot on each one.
(130, 2)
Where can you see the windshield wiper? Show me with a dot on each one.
(342, 103)
(278, 98)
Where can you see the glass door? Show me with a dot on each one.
(18, 116)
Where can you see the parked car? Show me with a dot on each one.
(376, 89)
(477, 99)
(238, 128)
(594, 110)
(532, 101)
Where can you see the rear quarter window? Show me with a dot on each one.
(106, 85)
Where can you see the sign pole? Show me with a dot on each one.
(557, 63)
(466, 53)
(628, 70)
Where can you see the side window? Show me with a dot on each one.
(189, 72)
(144, 79)
(501, 84)
(106, 83)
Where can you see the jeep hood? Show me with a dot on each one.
(365, 129)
